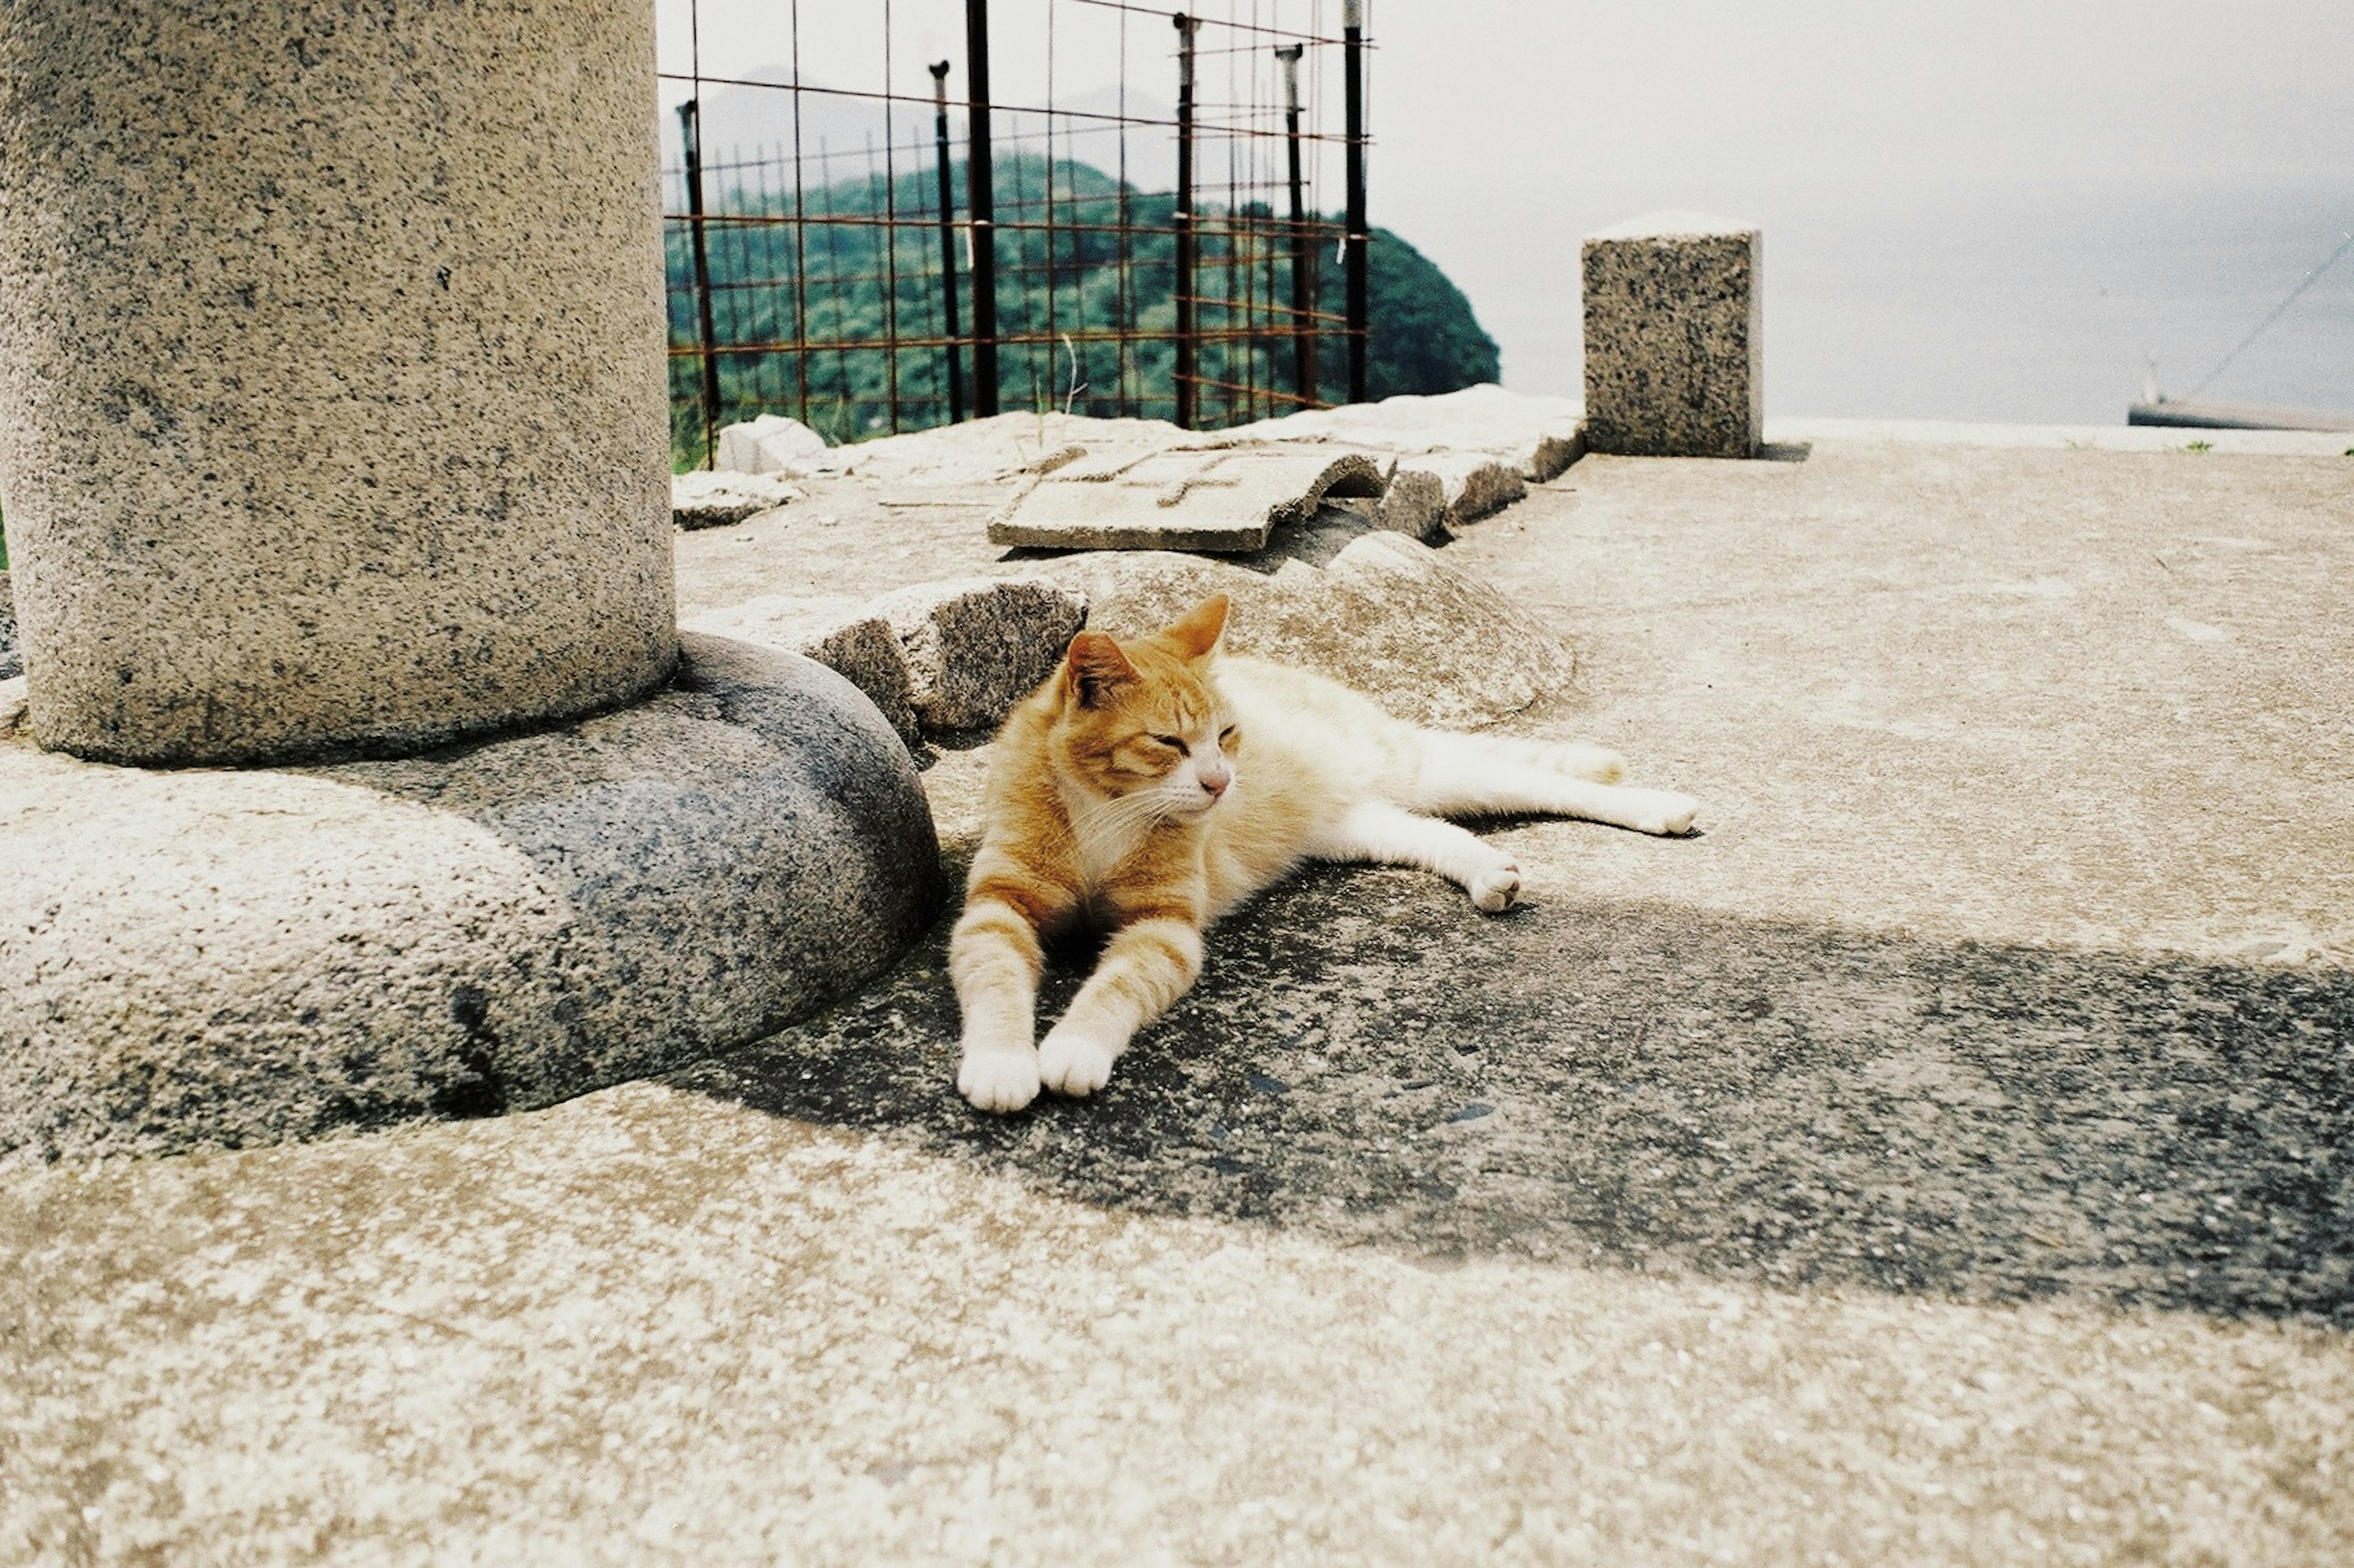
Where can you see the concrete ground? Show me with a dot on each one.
(1944, 1158)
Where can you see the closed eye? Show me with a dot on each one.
(1173, 742)
(1226, 736)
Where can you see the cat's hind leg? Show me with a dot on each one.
(1470, 775)
(1386, 834)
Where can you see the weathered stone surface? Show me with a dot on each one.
(1387, 616)
(1434, 495)
(306, 449)
(845, 635)
(865, 652)
(713, 499)
(1537, 437)
(196, 957)
(1226, 499)
(766, 444)
(12, 663)
(975, 648)
(941, 657)
(1675, 341)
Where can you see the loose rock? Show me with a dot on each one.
(1226, 499)
(1434, 495)
(1387, 616)
(766, 444)
(976, 647)
(712, 499)
(1536, 436)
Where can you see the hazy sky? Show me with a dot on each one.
(1505, 132)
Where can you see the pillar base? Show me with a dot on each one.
(216, 958)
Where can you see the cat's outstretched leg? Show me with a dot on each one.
(995, 959)
(1392, 835)
(1469, 774)
(1145, 967)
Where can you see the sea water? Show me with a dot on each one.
(2014, 302)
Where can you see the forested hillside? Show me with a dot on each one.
(1424, 337)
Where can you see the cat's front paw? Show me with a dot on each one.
(997, 1078)
(1494, 889)
(1069, 1062)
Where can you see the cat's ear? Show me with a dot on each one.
(1096, 666)
(1199, 634)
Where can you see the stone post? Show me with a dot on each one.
(331, 413)
(1674, 337)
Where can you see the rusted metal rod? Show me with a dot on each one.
(690, 125)
(980, 201)
(939, 69)
(1352, 51)
(1303, 249)
(1181, 218)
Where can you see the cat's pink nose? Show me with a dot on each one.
(1215, 780)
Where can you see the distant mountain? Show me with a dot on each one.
(1424, 337)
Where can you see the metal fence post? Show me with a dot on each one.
(1303, 251)
(690, 125)
(1182, 219)
(980, 200)
(1352, 50)
(947, 243)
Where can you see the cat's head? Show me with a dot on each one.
(1144, 721)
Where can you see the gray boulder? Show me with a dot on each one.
(974, 648)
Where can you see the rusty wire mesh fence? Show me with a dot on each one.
(1160, 215)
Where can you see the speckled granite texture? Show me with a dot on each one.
(330, 339)
(1675, 337)
(206, 958)
(12, 662)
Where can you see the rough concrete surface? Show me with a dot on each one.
(308, 451)
(1675, 336)
(213, 957)
(1944, 1159)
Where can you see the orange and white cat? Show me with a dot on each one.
(1148, 786)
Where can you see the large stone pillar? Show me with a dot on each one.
(332, 427)
(332, 413)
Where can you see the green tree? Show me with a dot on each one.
(1109, 254)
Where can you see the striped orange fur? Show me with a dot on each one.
(1149, 786)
